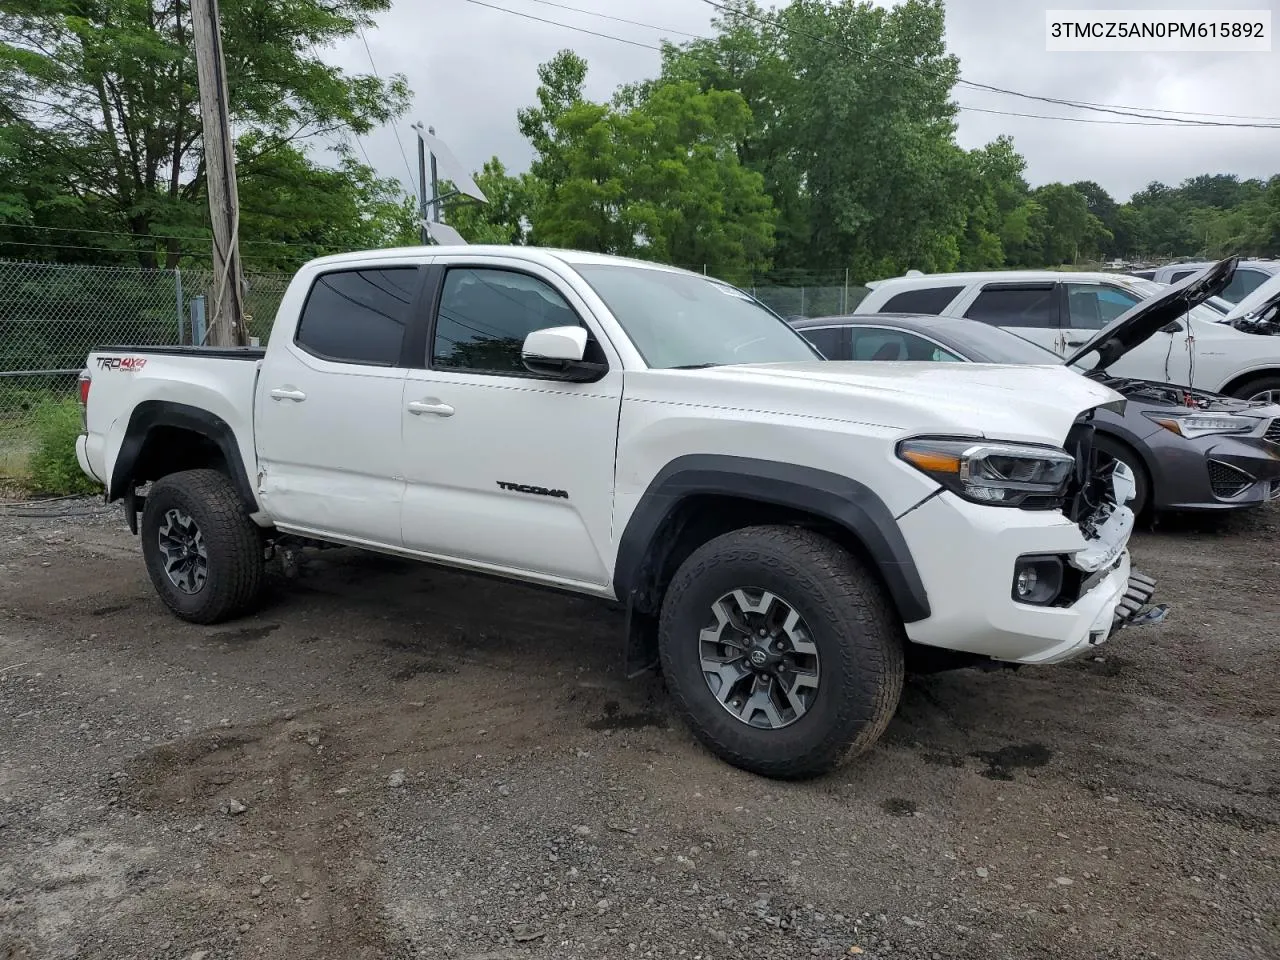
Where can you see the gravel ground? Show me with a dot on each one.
(394, 761)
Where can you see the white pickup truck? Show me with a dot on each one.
(787, 533)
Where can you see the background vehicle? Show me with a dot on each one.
(786, 528)
(1250, 274)
(1189, 450)
(1060, 311)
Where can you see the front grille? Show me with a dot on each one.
(1273, 431)
(1227, 481)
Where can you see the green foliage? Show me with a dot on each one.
(53, 468)
(654, 174)
(100, 128)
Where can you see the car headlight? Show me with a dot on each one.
(1192, 425)
(1000, 474)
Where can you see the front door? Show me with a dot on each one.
(1093, 305)
(506, 470)
(328, 407)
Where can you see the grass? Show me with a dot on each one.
(51, 466)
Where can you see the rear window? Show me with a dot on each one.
(828, 340)
(1016, 307)
(929, 300)
(358, 316)
(1244, 283)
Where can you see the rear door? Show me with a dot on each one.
(328, 406)
(1030, 309)
(1091, 305)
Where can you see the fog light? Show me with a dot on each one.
(1037, 580)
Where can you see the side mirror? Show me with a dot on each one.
(558, 352)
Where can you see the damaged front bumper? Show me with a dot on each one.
(969, 585)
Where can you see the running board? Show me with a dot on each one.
(1133, 610)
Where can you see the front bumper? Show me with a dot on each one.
(967, 553)
(1217, 473)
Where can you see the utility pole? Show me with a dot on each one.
(226, 318)
(436, 210)
(425, 236)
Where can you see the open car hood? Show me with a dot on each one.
(1141, 322)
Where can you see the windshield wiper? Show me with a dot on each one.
(696, 366)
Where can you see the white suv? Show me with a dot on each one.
(1061, 310)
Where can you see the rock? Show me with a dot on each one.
(199, 955)
(504, 790)
(602, 905)
(1064, 881)
(583, 830)
(982, 872)
(719, 936)
(396, 779)
(234, 807)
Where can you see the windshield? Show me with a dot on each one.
(683, 320)
(986, 344)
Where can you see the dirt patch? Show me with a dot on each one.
(394, 761)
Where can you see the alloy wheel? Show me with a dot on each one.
(758, 658)
(186, 561)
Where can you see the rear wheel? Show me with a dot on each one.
(1264, 389)
(203, 553)
(781, 650)
(1111, 449)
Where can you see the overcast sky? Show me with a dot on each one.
(471, 68)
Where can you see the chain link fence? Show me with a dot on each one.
(810, 301)
(52, 316)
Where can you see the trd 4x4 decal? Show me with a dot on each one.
(121, 363)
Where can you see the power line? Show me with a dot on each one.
(403, 156)
(568, 26)
(1097, 120)
(1076, 104)
(607, 16)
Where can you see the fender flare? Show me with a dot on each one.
(150, 414)
(834, 498)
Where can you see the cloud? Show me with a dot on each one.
(471, 68)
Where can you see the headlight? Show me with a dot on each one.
(1001, 474)
(1194, 425)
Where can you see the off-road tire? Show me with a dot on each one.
(232, 542)
(1119, 450)
(858, 634)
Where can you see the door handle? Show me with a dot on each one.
(1075, 343)
(430, 405)
(288, 393)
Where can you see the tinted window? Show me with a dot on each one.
(1091, 306)
(684, 319)
(1244, 283)
(931, 300)
(828, 340)
(1180, 275)
(1016, 307)
(358, 316)
(877, 343)
(485, 314)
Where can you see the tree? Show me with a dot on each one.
(508, 215)
(654, 174)
(108, 88)
(1070, 229)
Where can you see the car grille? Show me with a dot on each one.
(1227, 481)
(1273, 431)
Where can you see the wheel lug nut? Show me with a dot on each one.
(762, 633)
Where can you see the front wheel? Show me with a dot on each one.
(203, 553)
(781, 650)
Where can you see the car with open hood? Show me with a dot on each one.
(1062, 310)
(1188, 449)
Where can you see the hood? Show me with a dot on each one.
(1142, 321)
(1035, 404)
